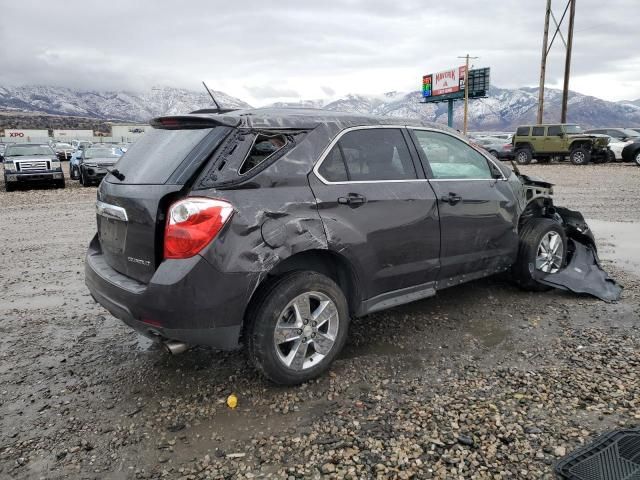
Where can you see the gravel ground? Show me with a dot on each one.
(482, 381)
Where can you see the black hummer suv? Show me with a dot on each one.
(29, 163)
(272, 228)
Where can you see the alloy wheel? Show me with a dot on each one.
(550, 253)
(306, 330)
(578, 157)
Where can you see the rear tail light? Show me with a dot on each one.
(192, 224)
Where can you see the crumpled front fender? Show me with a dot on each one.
(583, 272)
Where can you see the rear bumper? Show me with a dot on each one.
(186, 300)
(94, 173)
(16, 177)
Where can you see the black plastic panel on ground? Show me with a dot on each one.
(612, 456)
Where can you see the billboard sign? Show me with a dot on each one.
(448, 81)
(451, 84)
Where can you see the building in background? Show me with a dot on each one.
(128, 133)
(68, 135)
(18, 135)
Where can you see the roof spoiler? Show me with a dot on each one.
(214, 110)
(192, 122)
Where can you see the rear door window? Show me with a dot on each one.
(538, 132)
(371, 154)
(154, 157)
(554, 130)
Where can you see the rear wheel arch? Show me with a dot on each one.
(523, 145)
(331, 264)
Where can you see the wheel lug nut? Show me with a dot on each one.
(313, 335)
(306, 322)
(304, 339)
(299, 331)
(313, 324)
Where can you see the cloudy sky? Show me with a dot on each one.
(263, 51)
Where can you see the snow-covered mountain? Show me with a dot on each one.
(127, 106)
(504, 109)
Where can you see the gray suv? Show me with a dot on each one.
(273, 228)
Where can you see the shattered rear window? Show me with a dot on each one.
(264, 146)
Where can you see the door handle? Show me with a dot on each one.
(451, 199)
(352, 199)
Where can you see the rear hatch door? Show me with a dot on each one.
(133, 199)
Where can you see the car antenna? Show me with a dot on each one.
(515, 168)
(218, 109)
(211, 95)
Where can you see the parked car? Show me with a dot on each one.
(63, 150)
(544, 142)
(631, 153)
(499, 148)
(30, 163)
(272, 228)
(95, 162)
(623, 134)
(615, 147)
(82, 144)
(635, 129)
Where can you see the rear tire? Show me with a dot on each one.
(83, 181)
(580, 156)
(523, 156)
(636, 158)
(8, 187)
(531, 252)
(296, 327)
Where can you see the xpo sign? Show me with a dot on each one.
(27, 135)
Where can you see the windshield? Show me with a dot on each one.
(102, 153)
(28, 150)
(630, 133)
(573, 129)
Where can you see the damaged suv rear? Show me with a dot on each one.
(272, 228)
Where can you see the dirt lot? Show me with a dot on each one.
(482, 381)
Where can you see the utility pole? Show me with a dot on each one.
(466, 91)
(543, 63)
(567, 63)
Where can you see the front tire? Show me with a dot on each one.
(636, 158)
(611, 157)
(297, 327)
(543, 247)
(580, 156)
(83, 180)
